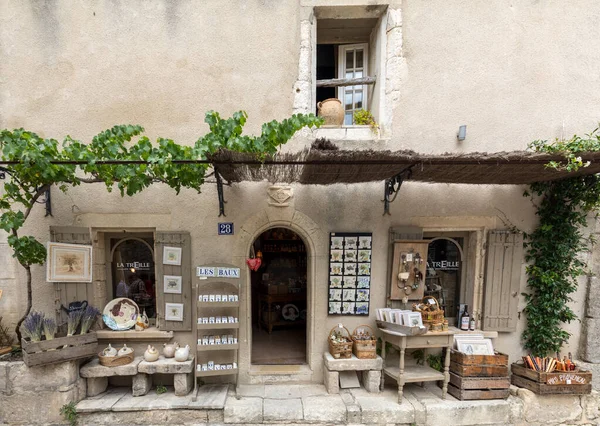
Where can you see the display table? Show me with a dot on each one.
(369, 368)
(183, 377)
(416, 373)
(281, 299)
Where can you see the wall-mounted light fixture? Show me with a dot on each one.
(462, 132)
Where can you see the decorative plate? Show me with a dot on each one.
(290, 312)
(120, 314)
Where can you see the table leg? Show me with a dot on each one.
(382, 385)
(446, 373)
(401, 375)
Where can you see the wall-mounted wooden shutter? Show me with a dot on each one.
(66, 293)
(182, 240)
(502, 280)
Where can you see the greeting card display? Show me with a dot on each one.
(349, 273)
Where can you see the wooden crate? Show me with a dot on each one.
(464, 359)
(552, 383)
(59, 349)
(476, 394)
(479, 370)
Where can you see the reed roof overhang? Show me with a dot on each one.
(329, 166)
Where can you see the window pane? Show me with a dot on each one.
(358, 74)
(359, 58)
(358, 98)
(349, 59)
(349, 74)
(348, 100)
(348, 119)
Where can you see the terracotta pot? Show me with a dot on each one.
(332, 111)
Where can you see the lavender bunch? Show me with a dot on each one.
(49, 328)
(33, 326)
(88, 318)
(73, 321)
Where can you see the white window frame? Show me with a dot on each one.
(342, 48)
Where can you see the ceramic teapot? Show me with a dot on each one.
(182, 354)
(169, 350)
(109, 351)
(124, 350)
(151, 354)
(139, 323)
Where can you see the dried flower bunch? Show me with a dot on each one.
(73, 321)
(88, 318)
(33, 326)
(49, 328)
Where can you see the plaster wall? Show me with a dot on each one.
(512, 72)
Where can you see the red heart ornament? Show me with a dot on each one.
(254, 264)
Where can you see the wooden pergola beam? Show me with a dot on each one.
(339, 82)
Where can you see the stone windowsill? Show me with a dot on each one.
(352, 137)
(151, 333)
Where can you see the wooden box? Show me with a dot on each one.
(479, 365)
(59, 349)
(560, 382)
(473, 388)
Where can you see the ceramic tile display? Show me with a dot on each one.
(349, 273)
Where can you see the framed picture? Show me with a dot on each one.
(172, 255)
(172, 284)
(174, 311)
(480, 347)
(412, 319)
(69, 263)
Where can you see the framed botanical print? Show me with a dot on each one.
(174, 311)
(172, 284)
(172, 255)
(69, 263)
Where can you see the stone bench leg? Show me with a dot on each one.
(141, 384)
(183, 383)
(332, 381)
(371, 380)
(96, 385)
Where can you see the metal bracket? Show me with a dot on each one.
(48, 202)
(220, 194)
(392, 187)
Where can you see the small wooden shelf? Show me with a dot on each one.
(220, 325)
(202, 348)
(414, 373)
(216, 372)
(218, 304)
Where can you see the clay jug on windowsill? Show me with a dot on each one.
(332, 111)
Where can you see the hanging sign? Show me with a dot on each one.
(225, 228)
(218, 272)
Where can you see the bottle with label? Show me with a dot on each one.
(464, 320)
(472, 324)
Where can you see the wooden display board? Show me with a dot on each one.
(410, 259)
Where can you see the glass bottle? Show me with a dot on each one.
(464, 320)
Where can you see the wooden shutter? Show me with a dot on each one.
(66, 293)
(502, 280)
(183, 241)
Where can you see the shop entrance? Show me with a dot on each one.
(278, 295)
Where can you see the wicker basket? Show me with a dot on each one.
(433, 316)
(116, 361)
(340, 350)
(364, 349)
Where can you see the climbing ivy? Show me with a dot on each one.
(554, 248)
(38, 163)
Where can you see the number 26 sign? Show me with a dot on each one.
(226, 228)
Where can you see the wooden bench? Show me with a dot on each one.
(370, 371)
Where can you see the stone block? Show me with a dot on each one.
(141, 384)
(394, 19)
(591, 340)
(371, 380)
(282, 410)
(551, 409)
(243, 410)
(94, 369)
(353, 363)
(453, 412)
(593, 299)
(96, 385)
(384, 409)
(353, 414)
(166, 366)
(595, 369)
(22, 378)
(183, 383)
(151, 417)
(40, 407)
(3, 377)
(332, 381)
(324, 409)
(591, 405)
(288, 391)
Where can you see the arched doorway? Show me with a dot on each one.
(445, 273)
(132, 270)
(279, 299)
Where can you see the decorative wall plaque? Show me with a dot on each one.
(280, 196)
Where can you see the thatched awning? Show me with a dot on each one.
(324, 167)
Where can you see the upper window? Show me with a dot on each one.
(353, 63)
